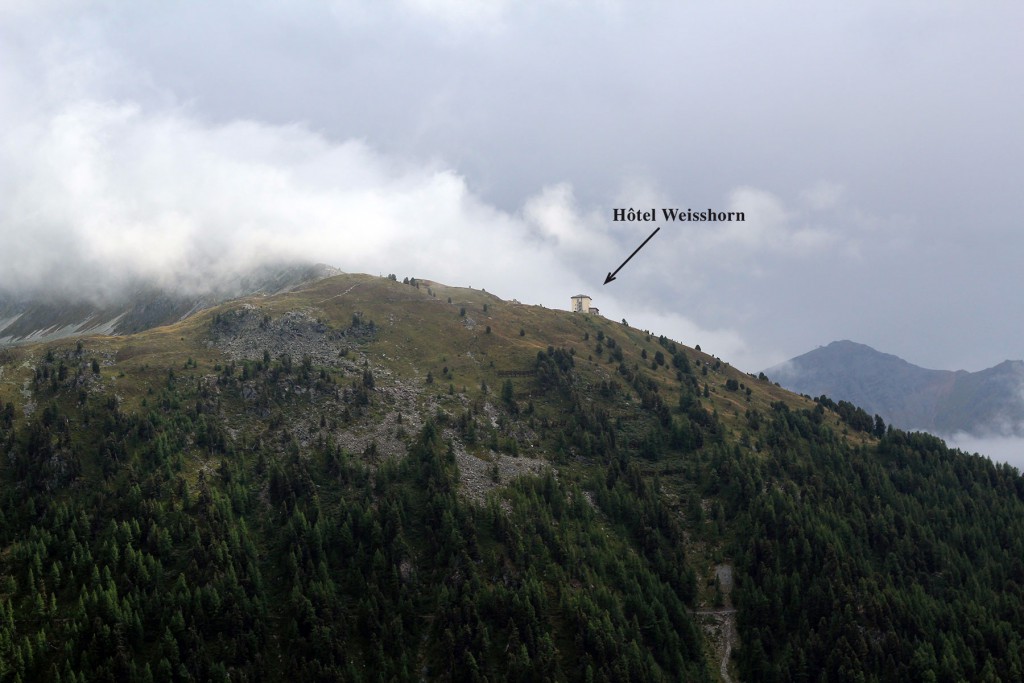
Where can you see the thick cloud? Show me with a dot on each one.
(875, 150)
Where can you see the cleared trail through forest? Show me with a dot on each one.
(729, 626)
(723, 633)
(720, 622)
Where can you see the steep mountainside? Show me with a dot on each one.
(44, 318)
(364, 479)
(940, 401)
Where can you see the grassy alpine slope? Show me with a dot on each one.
(371, 480)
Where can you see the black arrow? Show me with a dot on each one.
(611, 276)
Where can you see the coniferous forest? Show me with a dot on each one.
(174, 509)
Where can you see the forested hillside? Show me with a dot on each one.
(376, 480)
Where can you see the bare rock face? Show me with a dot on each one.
(246, 332)
(480, 475)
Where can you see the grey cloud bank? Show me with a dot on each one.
(875, 150)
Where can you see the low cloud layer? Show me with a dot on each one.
(99, 195)
(1008, 449)
(105, 193)
(487, 144)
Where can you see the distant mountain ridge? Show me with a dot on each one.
(35, 319)
(944, 402)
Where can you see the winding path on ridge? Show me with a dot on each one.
(342, 294)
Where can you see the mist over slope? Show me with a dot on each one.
(989, 402)
(42, 315)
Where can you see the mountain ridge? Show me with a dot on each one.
(276, 487)
(946, 402)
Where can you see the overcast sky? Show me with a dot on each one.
(877, 149)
